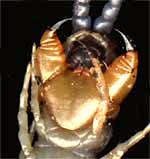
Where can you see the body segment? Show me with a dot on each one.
(72, 99)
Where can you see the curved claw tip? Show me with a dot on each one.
(58, 24)
(129, 46)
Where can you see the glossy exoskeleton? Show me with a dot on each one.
(76, 88)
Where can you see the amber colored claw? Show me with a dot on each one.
(121, 76)
(49, 56)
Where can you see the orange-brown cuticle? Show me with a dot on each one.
(49, 57)
(121, 76)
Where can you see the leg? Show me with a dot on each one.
(122, 148)
(101, 115)
(35, 107)
(23, 135)
(32, 130)
(34, 97)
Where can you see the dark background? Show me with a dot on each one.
(24, 22)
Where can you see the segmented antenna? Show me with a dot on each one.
(104, 23)
(80, 19)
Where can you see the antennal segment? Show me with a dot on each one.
(105, 22)
(80, 19)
